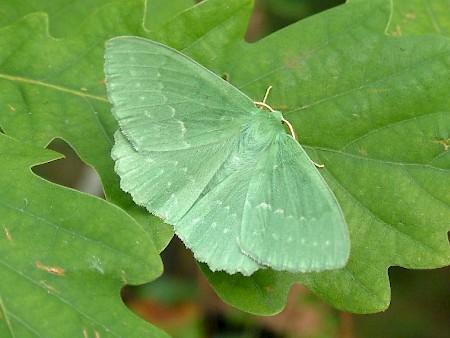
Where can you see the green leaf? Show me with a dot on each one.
(159, 12)
(54, 88)
(58, 257)
(420, 17)
(372, 107)
(214, 28)
(65, 17)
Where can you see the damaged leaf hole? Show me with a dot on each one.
(70, 171)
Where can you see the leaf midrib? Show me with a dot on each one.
(52, 86)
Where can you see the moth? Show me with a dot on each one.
(239, 190)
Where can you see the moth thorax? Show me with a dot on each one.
(261, 129)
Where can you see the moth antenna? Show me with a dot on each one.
(266, 94)
(263, 105)
(291, 129)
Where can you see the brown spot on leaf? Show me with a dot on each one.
(398, 31)
(363, 151)
(292, 62)
(444, 142)
(268, 288)
(51, 269)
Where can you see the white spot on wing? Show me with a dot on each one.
(264, 205)
(182, 127)
(279, 211)
(226, 230)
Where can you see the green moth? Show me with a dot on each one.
(240, 192)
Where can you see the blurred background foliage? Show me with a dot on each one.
(272, 15)
(183, 304)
